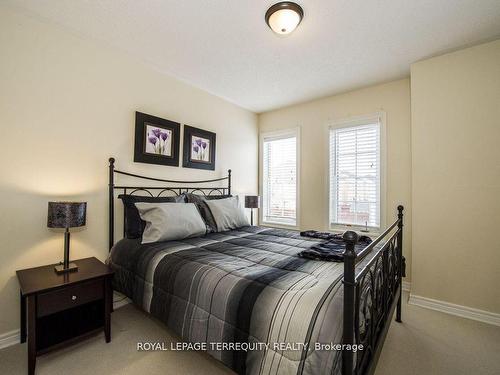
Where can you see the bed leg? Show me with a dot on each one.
(400, 260)
(349, 282)
(111, 202)
(398, 309)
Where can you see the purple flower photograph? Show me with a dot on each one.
(200, 149)
(158, 141)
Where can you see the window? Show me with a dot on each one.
(356, 173)
(279, 177)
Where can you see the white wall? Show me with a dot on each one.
(456, 177)
(66, 106)
(314, 117)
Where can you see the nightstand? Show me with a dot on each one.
(58, 309)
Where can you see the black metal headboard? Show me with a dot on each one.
(157, 191)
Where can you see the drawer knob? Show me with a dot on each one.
(73, 298)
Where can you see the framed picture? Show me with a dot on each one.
(157, 141)
(199, 148)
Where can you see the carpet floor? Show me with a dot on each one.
(427, 342)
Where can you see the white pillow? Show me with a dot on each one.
(228, 213)
(170, 221)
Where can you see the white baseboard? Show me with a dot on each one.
(120, 303)
(406, 286)
(13, 337)
(119, 300)
(9, 338)
(458, 310)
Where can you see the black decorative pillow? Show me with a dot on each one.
(206, 214)
(134, 225)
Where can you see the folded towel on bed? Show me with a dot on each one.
(332, 249)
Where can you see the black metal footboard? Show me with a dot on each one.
(371, 296)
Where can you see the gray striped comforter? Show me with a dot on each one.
(241, 286)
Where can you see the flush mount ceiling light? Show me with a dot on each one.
(284, 17)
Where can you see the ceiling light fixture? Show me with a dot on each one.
(284, 17)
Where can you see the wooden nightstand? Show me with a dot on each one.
(57, 309)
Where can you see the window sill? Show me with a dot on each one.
(278, 225)
(373, 232)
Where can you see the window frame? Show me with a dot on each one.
(285, 133)
(348, 123)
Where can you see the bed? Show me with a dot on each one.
(248, 299)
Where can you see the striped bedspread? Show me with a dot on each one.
(243, 286)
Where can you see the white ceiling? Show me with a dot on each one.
(225, 47)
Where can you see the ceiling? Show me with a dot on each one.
(225, 47)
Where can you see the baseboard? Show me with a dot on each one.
(406, 286)
(119, 300)
(120, 303)
(9, 338)
(13, 337)
(458, 310)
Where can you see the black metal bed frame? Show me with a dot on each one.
(176, 190)
(370, 295)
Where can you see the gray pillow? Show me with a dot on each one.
(228, 213)
(170, 221)
(134, 226)
(200, 201)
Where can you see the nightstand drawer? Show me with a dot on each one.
(62, 299)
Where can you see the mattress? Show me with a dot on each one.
(245, 294)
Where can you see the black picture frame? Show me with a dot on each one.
(194, 151)
(165, 150)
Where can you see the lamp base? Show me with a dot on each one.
(72, 267)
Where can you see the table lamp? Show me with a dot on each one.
(251, 201)
(66, 215)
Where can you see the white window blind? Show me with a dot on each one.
(279, 195)
(355, 175)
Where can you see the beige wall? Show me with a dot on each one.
(66, 105)
(456, 177)
(314, 117)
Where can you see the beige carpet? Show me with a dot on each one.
(427, 343)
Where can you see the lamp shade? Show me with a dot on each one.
(251, 201)
(66, 214)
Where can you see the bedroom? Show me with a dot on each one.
(420, 81)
